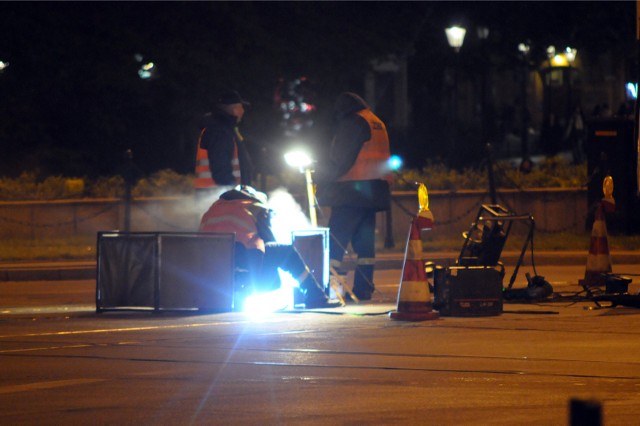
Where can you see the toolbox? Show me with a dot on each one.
(467, 291)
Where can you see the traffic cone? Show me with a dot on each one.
(599, 258)
(414, 301)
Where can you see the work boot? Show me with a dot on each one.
(363, 286)
(363, 292)
(315, 297)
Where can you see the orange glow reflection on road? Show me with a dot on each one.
(128, 329)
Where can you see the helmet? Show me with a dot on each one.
(245, 192)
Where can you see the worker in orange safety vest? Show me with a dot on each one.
(243, 211)
(222, 158)
(354, 182)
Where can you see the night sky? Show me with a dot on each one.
(71, 100)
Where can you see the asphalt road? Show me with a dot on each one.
(62, 363)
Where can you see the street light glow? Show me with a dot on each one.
(570, 54)
(3, 65)
(298, 158)
(559, 61)
(551, 52)
(302, 160)
(395, 162)
(455, 36)
(523, 48)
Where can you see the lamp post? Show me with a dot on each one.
(455, 38)
(570, 53)
(559, 94)
(524, 48)
(483, 35)
(304, 162)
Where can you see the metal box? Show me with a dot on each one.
(468, 291)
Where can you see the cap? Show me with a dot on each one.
(252, 192)
(231, 97)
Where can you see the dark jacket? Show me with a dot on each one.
(219, 139)
(351, 133)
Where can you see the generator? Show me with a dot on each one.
(474, 286)
(467, 291)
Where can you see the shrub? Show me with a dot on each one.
(164, 183)
(550, 173)
(107, 187)
(27, 187)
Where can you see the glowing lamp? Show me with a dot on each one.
(395, 162)
(559, 61)
(455, 37)
(551, 52)
(570, 54)
(298, 158)
(146, 70)
(304, 162)
(524, 48)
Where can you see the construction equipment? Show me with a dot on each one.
(485, 240)
(479, 291)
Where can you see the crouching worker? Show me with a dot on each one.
(243, 211)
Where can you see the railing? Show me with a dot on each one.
(554, 210)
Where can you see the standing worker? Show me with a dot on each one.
(355, 184)
(222, 158)
(243, 211)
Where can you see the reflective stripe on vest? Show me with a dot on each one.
(203, 174)
(233, 216)
(372, 160)
(203, 177)
(235, 162)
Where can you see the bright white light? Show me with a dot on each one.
(287, 215)
(395, 162)
(455, 36)
(298, 158)
(632, 90)
(3, 65)
(260, 305)
(146, 70)
(551, 52)
(523, 48)
(570, 54)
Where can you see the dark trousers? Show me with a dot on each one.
(261, 269)
(355, 225)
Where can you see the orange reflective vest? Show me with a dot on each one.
(372, 160)
(233, 216)
(203, 179)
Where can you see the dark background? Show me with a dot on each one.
(71, 100)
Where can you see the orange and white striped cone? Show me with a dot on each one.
(599, 258)
(414, 299)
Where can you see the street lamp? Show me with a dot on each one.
(455, 37)
(570, 53)
(483, 35)
(524, 48)
(558, 98)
